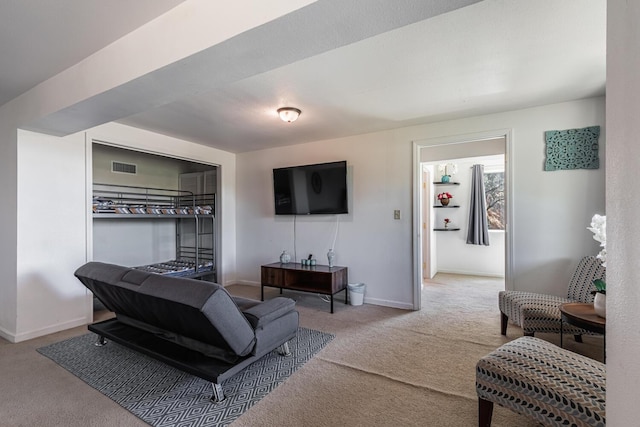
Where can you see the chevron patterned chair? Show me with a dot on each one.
(542, 381)
(535, 312)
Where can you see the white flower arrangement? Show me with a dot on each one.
(447, 169)
(599, 230)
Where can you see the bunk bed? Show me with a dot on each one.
(195, 223)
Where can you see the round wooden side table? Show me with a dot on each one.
(584, 316)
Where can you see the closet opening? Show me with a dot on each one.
(154, 213)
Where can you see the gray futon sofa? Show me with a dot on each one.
(193, 325)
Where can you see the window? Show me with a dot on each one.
(494, 195)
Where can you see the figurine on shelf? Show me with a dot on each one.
(446, 222)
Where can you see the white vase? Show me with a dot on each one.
(600, 304)
(330, 257)
(285, 257)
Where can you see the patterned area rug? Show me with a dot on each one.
(163, 396)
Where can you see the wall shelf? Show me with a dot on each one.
(446, 229)
(447, 207)
(446, 183)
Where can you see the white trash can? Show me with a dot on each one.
(356, 293)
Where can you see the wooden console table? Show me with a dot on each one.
(320, 279)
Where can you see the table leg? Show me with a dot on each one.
(332, 303)
(561, 331)
(261, 292)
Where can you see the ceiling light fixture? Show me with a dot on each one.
(288, 114)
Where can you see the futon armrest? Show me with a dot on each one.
(266, 312)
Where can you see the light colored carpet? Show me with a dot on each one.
(386, 367)
(390, 367)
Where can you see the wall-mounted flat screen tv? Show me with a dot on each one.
(319, 189)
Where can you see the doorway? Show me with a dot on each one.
(445, 237)
(447, 225)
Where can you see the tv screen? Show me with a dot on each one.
(319, 189)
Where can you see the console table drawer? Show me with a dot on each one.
(272, 276)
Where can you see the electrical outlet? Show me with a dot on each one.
(396, 214)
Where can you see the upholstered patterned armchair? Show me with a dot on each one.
(535, 312)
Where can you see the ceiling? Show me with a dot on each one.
(491, 56)
(39, 39)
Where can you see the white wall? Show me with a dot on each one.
(374, 246)
(151, 171)
(551, 209)
(623, 205)
(455, 256)
(51, 234)
(133, 242)
(8, 219)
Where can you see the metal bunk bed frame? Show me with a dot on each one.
(132, 202)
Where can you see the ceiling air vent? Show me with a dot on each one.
(120, 167)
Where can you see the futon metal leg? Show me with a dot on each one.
(101, 341)
(218, 394)
(504, 320)
(283, 350)
(485, 412)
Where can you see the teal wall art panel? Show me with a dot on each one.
(572, 149)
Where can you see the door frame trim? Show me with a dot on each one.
(507, 134)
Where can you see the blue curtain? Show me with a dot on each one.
(478, 230)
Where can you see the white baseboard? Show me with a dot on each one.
(372, 301)
(470, 273)
(49, 330)
(387, 303)
(7, 335)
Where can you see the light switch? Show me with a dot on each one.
(396, 214)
